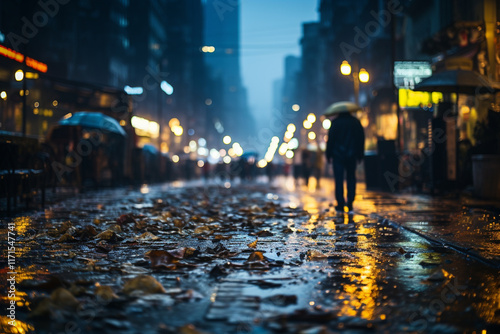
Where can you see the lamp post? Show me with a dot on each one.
(357, 76)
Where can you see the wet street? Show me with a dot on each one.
(252, 258)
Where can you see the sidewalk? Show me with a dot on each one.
(468, 225)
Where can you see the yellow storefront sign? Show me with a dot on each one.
(409, 98)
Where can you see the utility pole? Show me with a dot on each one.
(399, 145)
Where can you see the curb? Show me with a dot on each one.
(444, 243)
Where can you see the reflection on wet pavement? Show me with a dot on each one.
(241, 259)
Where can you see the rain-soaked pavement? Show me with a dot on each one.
(232, 258)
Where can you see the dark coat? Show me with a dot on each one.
(346, 139)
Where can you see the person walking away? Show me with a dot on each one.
(319, 165)
(345, 148)
(307, 165)
(297, 166)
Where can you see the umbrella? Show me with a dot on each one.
(150, 149)
(341, 107)
(94, 120)
(458, 81)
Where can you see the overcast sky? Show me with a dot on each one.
(270, 30)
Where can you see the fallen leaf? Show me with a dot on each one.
(105, 292)
(161, 258)
(256, 257)
(87, 232)
(64, 299)
(147, 236)
(253, 244)
(313, 254)
(222, 237)
(189, 329)
(125, 219)
(143, 284)
(202, 230)
(116, 228)
(66, 238)
(264, 233)
(107, 235)
(65, 227)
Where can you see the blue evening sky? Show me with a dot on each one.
(270, 30)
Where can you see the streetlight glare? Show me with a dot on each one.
(311, 135)
(226, 140)
(295, 107)
(174, 122)
(291, 127)
(307, 125)
(293, 144)
(327, 124)
(311, 118)
(345, 68)
(363, 75)
(19, 75)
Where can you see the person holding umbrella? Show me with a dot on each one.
(345, 148)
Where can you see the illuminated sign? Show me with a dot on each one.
(144, 127)
(133, 90)
(167, 88)
(409, 73)
(6, 52)
(409, 98)
(19, 57)
(37, 65)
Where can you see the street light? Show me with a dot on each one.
(345, 68)
(19, 75)
(361, 76)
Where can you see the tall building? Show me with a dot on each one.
(98, 46)
(222, 31)
(311, 70)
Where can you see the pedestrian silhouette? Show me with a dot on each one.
(307, 165)
(319, 165)
(345, 147)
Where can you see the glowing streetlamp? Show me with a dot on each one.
(363, 76)
(357, 77)
(19, 75)
(311, 118)
(345, 68)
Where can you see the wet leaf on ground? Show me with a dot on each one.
(105, 292)
(143, 284)
(264, 233)
(147, 236)
(313, 255)
(125, 219)
(253, 244)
